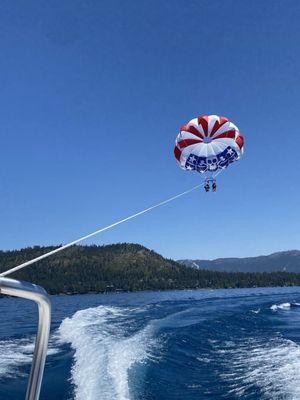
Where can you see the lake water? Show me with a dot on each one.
(197, 344)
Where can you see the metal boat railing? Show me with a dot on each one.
(25, 290)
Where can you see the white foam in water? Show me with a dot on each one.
(17, 353)
(283, 306)
(255, 311)
(14, 353)
(273, 367)
(103, 352)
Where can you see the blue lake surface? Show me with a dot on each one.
(196, 344)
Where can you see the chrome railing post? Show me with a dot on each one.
(25, 290)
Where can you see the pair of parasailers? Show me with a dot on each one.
(210, 184)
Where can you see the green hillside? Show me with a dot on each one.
(129, 267)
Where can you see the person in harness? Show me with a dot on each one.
(213, 185)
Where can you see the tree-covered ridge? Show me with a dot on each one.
(126, 266)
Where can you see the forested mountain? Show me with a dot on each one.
(83, 269)
(288, 261)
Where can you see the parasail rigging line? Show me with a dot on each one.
(57, 250)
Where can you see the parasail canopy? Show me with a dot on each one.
(207, 144)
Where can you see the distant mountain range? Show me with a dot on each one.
(288, 261)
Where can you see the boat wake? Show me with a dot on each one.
(204, 348)
(284, 306)
(17, 353)
(107, 345)
(13, 354)
(268, 368)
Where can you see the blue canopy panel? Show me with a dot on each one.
(212, 163)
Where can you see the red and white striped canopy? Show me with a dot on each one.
(208, 143)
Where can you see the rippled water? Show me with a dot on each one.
(222, 344)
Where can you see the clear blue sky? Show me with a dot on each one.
(93, 94)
